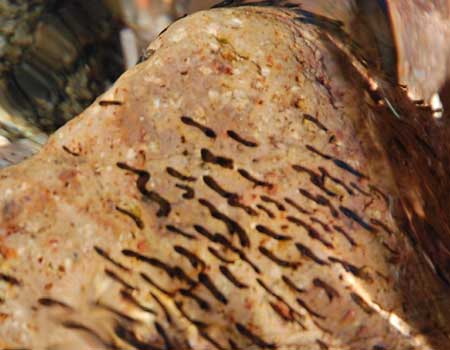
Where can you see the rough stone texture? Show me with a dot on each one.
(56, 57)
(240, 189)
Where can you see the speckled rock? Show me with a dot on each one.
(243, 188)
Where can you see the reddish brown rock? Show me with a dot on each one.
(240, 189)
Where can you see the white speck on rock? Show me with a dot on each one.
(213, 95)
(179, 35)
(68, 263)
(153, 79)
(236, 22)
(131, 154)
(153, 147)
(205, 70)
(295, 89)
(214, 46)
(265, 71)
(259, 85)
(213, 29)
(156, 62)
(176, 103)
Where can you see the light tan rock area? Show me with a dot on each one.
(242, 188)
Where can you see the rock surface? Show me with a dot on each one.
(242, 188)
